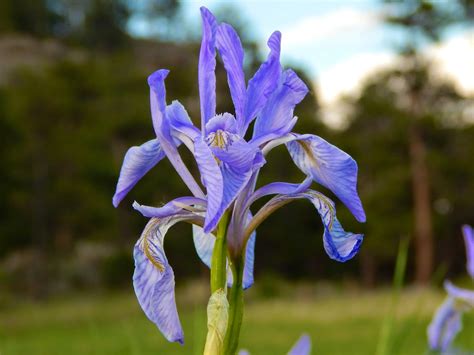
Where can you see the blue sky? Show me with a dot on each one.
(329, 46)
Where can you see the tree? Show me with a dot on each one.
(29, 16)
(422, 20)
(377, 135)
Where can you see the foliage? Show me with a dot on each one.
(383, 113)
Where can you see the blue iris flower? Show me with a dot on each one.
(229, 166)
(446, 323)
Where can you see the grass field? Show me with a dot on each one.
(339, 322)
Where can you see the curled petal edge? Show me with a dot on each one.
(339, 244)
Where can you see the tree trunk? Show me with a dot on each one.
(423, 234)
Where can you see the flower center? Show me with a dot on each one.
(221, 139)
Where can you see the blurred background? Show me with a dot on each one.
(392, 84)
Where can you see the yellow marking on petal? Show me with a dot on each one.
(146, 244)
(327, 202)
(219, 139)
(308, 151)
(188, 207)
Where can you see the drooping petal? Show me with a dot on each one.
(330, 167)
(276, 188)
(188, 203)
(153, 279)
(136, 163)
(468, 233)
(162, 128)
(213, 181)
(207, 67)
(463, 296)
(444, 327)
(263, 83)
(302, 346)
(230, 48)
(339, 244)
(277, 114)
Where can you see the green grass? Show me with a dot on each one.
(339, 322)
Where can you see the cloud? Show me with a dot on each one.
(333, 24)
(454, 59)
(347, 76)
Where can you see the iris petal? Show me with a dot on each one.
(225, 168)
(180, 120)
(279, 188)
(140, 159)
(330, 167)
(248, 278)
(237, 168)
(163, 128)
(249, 261)
(171, 207)
(230, 48)
(207, 67)
(339, 244)
(460, 294)
(204, 244)
(277, 114)
(136, 163)
(444, 326)
(225, 122)
(263, 83)
(153, 279)
(302, 346)
(212, 178)
(469, 242)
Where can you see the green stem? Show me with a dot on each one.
(236, 308)
(219, 256)
(385, 337)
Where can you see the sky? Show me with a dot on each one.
(339, 43)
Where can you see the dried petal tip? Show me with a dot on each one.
(217, 317)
